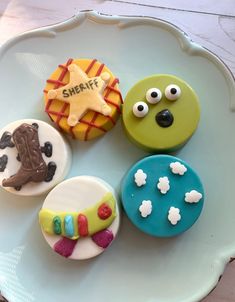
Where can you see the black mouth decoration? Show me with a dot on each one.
(164, 118)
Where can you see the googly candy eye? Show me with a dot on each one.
(172, 92)
(140, 109)
(153, 95)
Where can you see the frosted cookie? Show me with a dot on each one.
(83, 98)
(80, 217)
(162, 195)
(160, 113)
(34, 157)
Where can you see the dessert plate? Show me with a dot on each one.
(136, 267)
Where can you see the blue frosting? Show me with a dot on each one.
(68, 226)
(157, 223)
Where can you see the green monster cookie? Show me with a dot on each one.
(160, 113)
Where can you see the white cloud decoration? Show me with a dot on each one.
(140, 178)
(145, 208)
(178, 168)
(193, 196)
(174, 215)
(163, 184)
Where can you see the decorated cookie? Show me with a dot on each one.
(169, 200)
(80, 217)
(34, 157)
(83, 98)
(160, 113)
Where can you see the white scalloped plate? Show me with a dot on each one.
(136, 267)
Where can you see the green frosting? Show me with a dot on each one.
(145, 132)
(66, 223)
(57, 225)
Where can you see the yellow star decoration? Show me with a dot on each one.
(82, 94)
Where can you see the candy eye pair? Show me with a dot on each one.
(153, 96)
(172, 93)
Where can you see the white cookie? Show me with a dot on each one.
(76, 195)
(60, 157)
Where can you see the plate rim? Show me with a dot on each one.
(186, 43)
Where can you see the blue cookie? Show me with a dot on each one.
(162, 195)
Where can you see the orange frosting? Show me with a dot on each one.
(92, 124)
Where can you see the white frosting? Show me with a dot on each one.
(153, 95)
(163, 184)
(172, 96)
(178, 168)
(61, 156)
(193, 196)
(145, 208)
(144, 109)
(76, 194)
(174, 215)
(140, 178)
